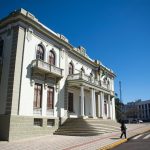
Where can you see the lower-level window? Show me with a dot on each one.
(38, 122)
(50, 122)
(37, 95)
(70, 102)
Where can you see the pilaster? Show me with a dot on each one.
(82, 100)
(102, 104)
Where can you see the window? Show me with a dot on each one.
(105, 80)
(82, 70)
(37, 96)
(50, 97)
(50, 122)
(1, 47)
(51, 58)
(70, 68)
(40, 53)
(38, 122)
(70, 102)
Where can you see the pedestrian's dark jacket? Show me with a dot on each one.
(123, 127)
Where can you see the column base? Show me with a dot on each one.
(83, 117)
(108, 118)
(93, 117)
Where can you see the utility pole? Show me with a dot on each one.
(122, 106)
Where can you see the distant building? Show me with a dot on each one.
(138, 110)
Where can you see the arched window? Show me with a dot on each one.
(71, 68)
(51, 58)
(40, 52)
(1, 47)
(105, 80)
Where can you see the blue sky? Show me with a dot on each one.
(117, 32)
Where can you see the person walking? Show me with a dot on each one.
(123, 129)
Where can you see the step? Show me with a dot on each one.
(78, 134)
(90, 126)
(87, 127)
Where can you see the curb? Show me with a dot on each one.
(110, 146)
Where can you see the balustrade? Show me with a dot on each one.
(46, 67)
(89, 79)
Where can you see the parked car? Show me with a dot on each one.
(134, 121)
(140, 121)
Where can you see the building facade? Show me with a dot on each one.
(44, 79)
(139, 110)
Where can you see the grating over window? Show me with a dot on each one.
(38, 122)
(50, 122)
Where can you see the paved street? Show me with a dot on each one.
(139, 142)
(57, 142)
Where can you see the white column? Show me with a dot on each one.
(92, 105)
(109, 107)
(82, 101)
(99, 106)
(55, 102)
(102, 104)
(44, 101)
(113, 109)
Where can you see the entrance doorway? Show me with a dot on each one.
(70, 102)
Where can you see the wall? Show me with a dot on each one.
(27, 85)
(5, 68)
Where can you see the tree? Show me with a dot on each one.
(119, 108)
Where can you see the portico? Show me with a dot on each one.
(90, 100)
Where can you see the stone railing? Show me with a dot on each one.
(89, 79)
(46, 67)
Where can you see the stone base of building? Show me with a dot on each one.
(21, 127)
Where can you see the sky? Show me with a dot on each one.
(116, 32)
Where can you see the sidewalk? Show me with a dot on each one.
(57, 142)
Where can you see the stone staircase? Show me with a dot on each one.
(87, 127)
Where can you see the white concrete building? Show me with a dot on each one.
(44, 79)
(138, 110)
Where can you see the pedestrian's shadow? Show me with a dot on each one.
(115, 138)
